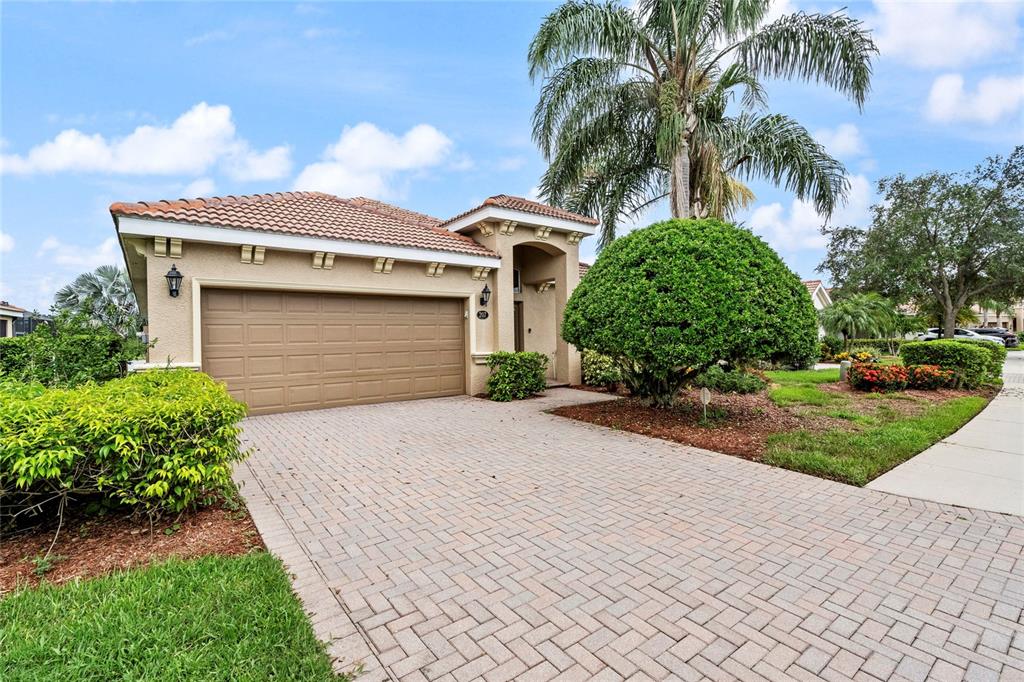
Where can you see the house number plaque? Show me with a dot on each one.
(482, 314)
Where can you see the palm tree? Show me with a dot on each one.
(863, 315)
(636, 104)
(1000, 308)
(105, 296)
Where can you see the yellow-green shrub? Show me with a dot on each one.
(155, 441)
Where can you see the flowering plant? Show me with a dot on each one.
(870, 376)
(930, 377)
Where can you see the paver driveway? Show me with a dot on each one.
(460, 539)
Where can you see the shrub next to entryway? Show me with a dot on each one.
(515, 376)
(969, 361)
(157, 441)
(670, 300)
(599, 370)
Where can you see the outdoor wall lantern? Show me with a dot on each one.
(174, 281)
(485, 296)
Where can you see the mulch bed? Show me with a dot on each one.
(91, 546)
(737, 424)
(741, 424)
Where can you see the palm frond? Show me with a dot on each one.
(834, 49)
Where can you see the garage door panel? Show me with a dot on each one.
(339, 362)
(302, 333)
(226, 368)
(266, 367)
(227, 334)
(223, 301)
(264, 334)
(264, 302)
(303, 364)
(282, 351)
(306, 395)
(337, 333)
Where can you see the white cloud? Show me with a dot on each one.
(315, 33)
(244, 164)
(367, 160)
(800, 227)
(202, 187)
(943, 34)
(995, 98)
(208, 37)
(844, 141)
(85, 258)
(6, 243)
(511, 163)
(199, 139)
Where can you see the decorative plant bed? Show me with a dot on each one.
(93, 545)
(806, 421)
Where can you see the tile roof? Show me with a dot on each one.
(7, 306)
(812, 285)
(526, 206)
(312, 214)
(584, 267)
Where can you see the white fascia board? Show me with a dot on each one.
(147, 227)
(10, 313)
(497, 213)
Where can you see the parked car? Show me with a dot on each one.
(936, 333)
(1009, 339)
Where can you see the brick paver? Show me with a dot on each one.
(459, 539)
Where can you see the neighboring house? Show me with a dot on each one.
(1014, 320)
(9, 314)
(300, 300)
(820, 297)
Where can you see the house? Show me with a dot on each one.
(1011, 318)
(819, 297)
(300, 300)
(9, 314)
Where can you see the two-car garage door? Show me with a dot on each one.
(281, 351)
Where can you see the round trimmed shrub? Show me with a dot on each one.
(671, 300)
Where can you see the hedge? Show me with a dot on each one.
(515, 376)
(156, 441)
(877, 378)
(969, 361)
(996, 357)
(70, 352)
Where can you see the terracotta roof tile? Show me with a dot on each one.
(526, 206)
(584, 267)
(7, 306)
(312, 214)
(812, 285)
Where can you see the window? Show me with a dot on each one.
(517, 283)
(3, 328)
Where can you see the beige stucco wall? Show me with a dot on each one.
(174, 322)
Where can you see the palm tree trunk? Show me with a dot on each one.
(679, 197)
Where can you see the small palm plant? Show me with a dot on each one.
(859, 315)
(636, 104)
(104, 296)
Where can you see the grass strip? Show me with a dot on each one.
(215, 618)
(858, 457)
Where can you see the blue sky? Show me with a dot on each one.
(426, 105)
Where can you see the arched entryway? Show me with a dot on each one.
(540, 293)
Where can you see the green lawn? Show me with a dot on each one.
(217, 618)
(805, 376)
(857, 457)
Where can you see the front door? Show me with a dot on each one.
(520, 341)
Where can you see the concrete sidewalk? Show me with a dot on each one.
(981, 465)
